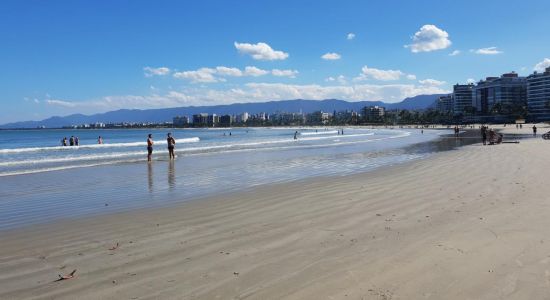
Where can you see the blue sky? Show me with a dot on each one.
(62, 57)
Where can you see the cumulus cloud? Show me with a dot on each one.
(487, 51)
(541, 66)
(150, 72)
(226, 71)
(331, 56)
(411, 77)
(455, 53)
(202, 75)
(378, 74)
(350, 36)
(255, 72)
(260, 51)
(284, 73)
(431, 82)
(429, 38)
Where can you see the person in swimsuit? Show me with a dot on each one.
(171, 144)
(149, 147)
(99, 140)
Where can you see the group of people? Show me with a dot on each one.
(73, 141)
(488, 134)
(170, 141)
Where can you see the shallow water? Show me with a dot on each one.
(41, 181)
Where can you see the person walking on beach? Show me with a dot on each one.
(149, 147)
(484, 134)
(534, 130)
(171, 145)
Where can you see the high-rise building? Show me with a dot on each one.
(200, 120)
(444, 104)
(226, 120)
(371, 113)
(538, 95)
(502, 95)
(213, 120)
(180, 121)
(462, 98)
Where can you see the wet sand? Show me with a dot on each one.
(470, 223)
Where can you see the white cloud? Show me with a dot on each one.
(284, 73)
(350, 36)
(429, 38)
(470, 80)
(431, 82)
(150, 72)
(61, 103)
(331, 56)
(204, 75)
(255, 72)
(487, 51)
(260, 51)
(455, 53)
(411, 77)
(384, 75)
(541, 66)
(341, 79)
(226, 71)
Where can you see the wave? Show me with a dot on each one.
(319, 132)
(94, 146)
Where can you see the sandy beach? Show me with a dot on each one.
(472, 223)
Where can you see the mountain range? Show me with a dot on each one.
(419, 102)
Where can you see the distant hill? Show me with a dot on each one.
(166, 114)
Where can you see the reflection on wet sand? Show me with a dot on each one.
(150, 176)
(171, 175)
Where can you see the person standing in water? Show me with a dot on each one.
(64, 141)
(296, 135)
(149, 147)
(76, 141)
(100, 140)
(172, 144)
(71, 140)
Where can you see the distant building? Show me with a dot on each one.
(213, 120)
(180, 121)
(500, 95)
(226, 120)
(538, 95)
(445, 103)
(200, 120)
(242, 118)
(462, 97)
(373, 113)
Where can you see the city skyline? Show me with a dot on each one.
(64, 57)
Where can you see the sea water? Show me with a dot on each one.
(43, 181)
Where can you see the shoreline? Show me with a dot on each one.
(426, 229)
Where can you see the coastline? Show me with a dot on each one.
(426, 229)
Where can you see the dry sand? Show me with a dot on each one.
(467, 224)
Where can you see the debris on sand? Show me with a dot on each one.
(67, 277)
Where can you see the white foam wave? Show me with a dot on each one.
(94, 146)
(320, 132)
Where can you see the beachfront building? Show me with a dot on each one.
(373, 113)
(226, 120)
(200, 120)
(504, 95)
(242, 118)
(444, 104)
(213, 120)
(462, 98)
(180, 121)
(538, 95)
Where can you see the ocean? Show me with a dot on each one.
(42, 181)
